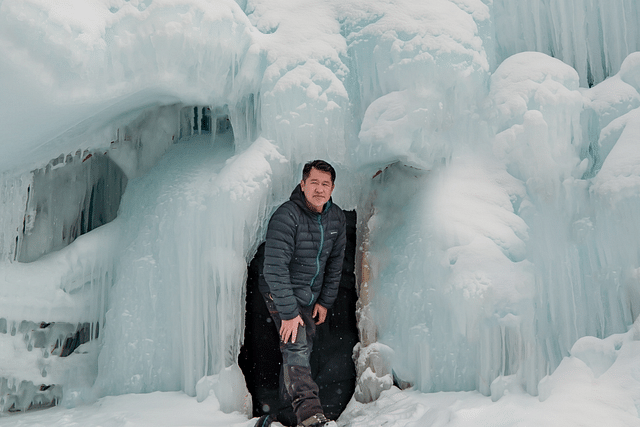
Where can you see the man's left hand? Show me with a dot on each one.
(320, 312)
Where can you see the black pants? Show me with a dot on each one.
(296, 385)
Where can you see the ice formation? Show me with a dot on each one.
(492, 159)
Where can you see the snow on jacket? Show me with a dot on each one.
(303, 255)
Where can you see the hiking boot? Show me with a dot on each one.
(318, 420)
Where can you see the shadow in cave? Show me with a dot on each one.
(71, 196)
(332, 363)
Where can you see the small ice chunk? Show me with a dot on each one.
(229, 387)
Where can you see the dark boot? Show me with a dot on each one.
(303, 390)
(317, 420)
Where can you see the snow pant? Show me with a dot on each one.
(296, 385)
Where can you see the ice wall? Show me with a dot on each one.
(303, 99)
(50, 307)
(87, 66)
(58, 258)
(594, 37)
(95, 78)
(190, 225)
(487, 269)
(68, 198)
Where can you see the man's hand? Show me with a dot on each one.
(289, 329)
(320, 312)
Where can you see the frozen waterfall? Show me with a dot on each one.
(489, 148)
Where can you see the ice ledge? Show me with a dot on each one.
(64, 286)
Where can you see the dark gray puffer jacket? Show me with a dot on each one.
(303, 255)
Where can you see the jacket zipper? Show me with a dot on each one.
(319, 217)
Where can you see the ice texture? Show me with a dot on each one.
(593, 37)
(229, 387)
(178, 235)
(490, 152)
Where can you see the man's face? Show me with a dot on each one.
(317, 188)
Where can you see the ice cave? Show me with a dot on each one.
(487, 153)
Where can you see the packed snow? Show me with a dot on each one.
(489, 148)
(594, 387)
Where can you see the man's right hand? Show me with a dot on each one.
(289, 329)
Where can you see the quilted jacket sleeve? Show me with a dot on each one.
(333, 269)
(277, 256)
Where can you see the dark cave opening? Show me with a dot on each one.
(69, 197)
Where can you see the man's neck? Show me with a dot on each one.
(312, 208)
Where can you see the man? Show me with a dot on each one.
(303, 258)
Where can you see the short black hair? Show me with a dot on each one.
(321, 165)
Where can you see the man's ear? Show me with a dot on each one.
(302, 185)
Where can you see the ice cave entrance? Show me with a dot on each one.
(167, 158)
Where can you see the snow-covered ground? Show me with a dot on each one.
(171, 409)
(575, 395)
(598, 386)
